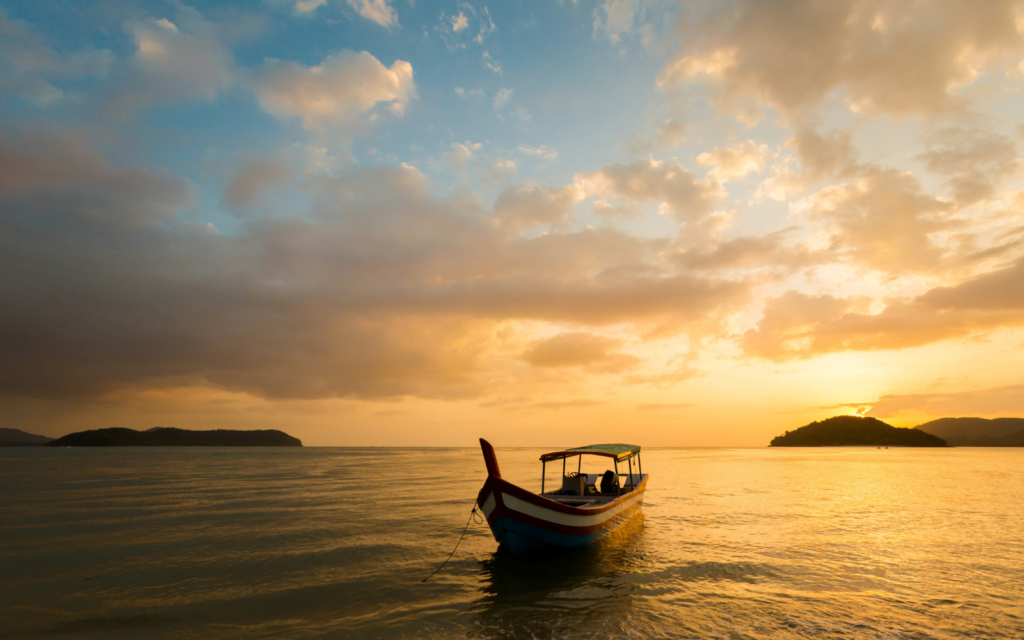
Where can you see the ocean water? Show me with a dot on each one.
(333, 543)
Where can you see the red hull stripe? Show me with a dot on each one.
(560, 528)
(495, 487)
(498, 486)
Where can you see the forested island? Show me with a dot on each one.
(172, 437)
(843, 431)
(978, 432)
(19, 438)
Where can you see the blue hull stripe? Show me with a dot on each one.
(523, 539)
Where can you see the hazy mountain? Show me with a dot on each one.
(171, 437)
(842, 431)
(19, 438)
(978, 432)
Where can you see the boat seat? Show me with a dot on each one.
(574, 486)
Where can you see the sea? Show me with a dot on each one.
(851, 543)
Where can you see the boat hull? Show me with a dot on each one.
(528, 523)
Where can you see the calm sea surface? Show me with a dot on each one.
(332, 543)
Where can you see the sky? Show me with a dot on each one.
(412, 223)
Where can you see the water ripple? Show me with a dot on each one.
(857, 544)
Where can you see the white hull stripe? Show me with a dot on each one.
(566, 519)
(489, 505)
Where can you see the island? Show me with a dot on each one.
(978, 432)
(19, 438)
(173, 437)
(844, 431)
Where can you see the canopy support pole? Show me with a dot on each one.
(543, 472)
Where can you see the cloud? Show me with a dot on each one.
(55, 174)
(379, 290)
(615, 17)
(157, 302)
(459, 22)
(461, 154)
(792, 55)
(457, 32)
(501, 99)
(791, 322)
(580, 349)
(378, 11)
(253, 178)
(486, 26)
(824, 156)
(668, 135)
(29, 67)
(306, 6)
(497, 171)
(797, 325)
(174, 61)
(686, 197)
(529, 205)
(821, 157)
(754, 252)
(677, 300)
(731, 163)
(491, 63)
(640, 18)
(542, 151)
(520, 113)
(333, 96)
(608, 211)
(475, 94)
(997, 401)
(883, 220)
(975, 160)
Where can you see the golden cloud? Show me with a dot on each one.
(383, 290)
(792, 55)
(687, 197)
(580, 349)
(797, 325)
(332, 96)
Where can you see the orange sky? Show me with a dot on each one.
(676, 225)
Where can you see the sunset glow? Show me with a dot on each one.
(405, 223)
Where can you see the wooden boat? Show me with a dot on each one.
(576, 511)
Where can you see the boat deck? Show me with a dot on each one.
(593, 498)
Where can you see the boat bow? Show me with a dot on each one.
(527, 522)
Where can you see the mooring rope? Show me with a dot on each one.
(473, 517)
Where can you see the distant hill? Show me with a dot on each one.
(978, 432)
(842, 431)
(171, 437)
(19, 438)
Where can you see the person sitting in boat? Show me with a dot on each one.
(610, 483)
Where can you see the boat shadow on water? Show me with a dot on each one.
(519, 592)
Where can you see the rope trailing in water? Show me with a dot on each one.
(473, 517)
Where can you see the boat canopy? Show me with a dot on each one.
(617, 451)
